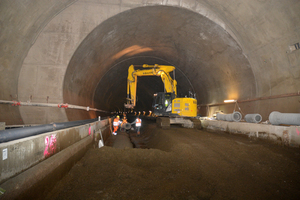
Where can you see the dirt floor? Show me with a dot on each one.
(182, 163)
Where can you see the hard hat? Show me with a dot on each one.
(118, 116)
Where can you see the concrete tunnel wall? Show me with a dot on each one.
(37, 162)
(78, 52)
(22, 154)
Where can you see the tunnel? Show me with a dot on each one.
(63, 62)
(126, 40)
(78, 53)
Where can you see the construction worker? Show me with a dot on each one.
(116, 125)
(124, 122)
(138, 124)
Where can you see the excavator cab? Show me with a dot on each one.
(162, 104)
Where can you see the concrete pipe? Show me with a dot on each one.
(253, 118)
(277, 118)
(236, 116)
(125, 127)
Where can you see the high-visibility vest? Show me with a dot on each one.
(116, 122)
(138, 122)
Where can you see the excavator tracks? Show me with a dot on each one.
(163, 122)
(197, 123)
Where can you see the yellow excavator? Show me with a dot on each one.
(167, 107)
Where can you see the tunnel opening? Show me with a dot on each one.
(208, 60)
(147, 86)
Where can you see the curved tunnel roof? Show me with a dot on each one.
(78, 52)
(208, 60)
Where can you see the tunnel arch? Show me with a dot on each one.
(204, 52)
(39, 44)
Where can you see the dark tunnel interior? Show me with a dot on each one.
(208, 61)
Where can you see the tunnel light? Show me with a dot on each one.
(229, 101)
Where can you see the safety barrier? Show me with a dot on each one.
(21, 154)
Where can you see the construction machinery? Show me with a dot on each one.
(167, 107)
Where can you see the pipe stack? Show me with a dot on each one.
(253, 118)
(236, 116)
(277, 118)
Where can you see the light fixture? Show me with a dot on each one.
(229, 101)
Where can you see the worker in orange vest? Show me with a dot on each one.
(124, 120)
(138, 124)
(116, 124)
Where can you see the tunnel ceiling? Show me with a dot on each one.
(208, 60)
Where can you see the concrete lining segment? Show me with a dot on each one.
(282, 135)
(45, 174)
(2, 125)
(20, 24)
(30, 178)
(27, 152)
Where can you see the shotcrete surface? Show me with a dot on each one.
(182, 163)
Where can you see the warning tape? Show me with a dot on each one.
(16, 103)
(63, 105)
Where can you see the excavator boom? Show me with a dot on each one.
(163, 71)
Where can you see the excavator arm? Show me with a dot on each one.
(163, 71)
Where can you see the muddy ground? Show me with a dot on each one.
(182, 163)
